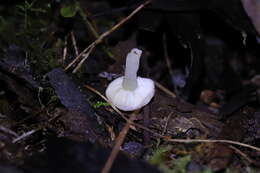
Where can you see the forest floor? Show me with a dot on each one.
(58, 57)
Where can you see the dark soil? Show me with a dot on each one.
(206, 53)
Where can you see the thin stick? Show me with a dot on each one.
(29, 133)
(79, 56)
(166, 55)
(241, 153)
(166, 123)
(74, 43)
(211, 141)
(105, 34)
(103, 97)
(119, 141)
(8, 131)
(117, 110)
(25, 135)
(65, 50)
(170, 139)
(123, 21)
(83, 60)
(167, 91)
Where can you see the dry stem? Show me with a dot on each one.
(119, 141)
(89, 49)
(74, 43)
(167, 91)
(170, 139)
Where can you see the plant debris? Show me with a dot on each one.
(58, 57)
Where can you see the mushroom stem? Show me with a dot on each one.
(132, 65)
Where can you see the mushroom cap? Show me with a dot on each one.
(128, 100)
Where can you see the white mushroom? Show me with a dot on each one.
(130, 92)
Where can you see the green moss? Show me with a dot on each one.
(27, 25)
(160, 158)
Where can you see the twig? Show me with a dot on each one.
(166, 123)
(8, 131)
(103, 97)
(65, 50)
(40, 89)
(119, 142)
(79, 56)
(168, 63)
(166, 55)
(89, 49)
(85, 56)
(29, 133)
(74, 43)
(90, 26)
(123, 21)
(167, 91)
(93, 31)
(28, 117)
(211, 141)
(25, 135)
(117, 110)
(241, 153)
(170, 139)
(164, 128)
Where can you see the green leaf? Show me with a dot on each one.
(99, 104)
(68, 11)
